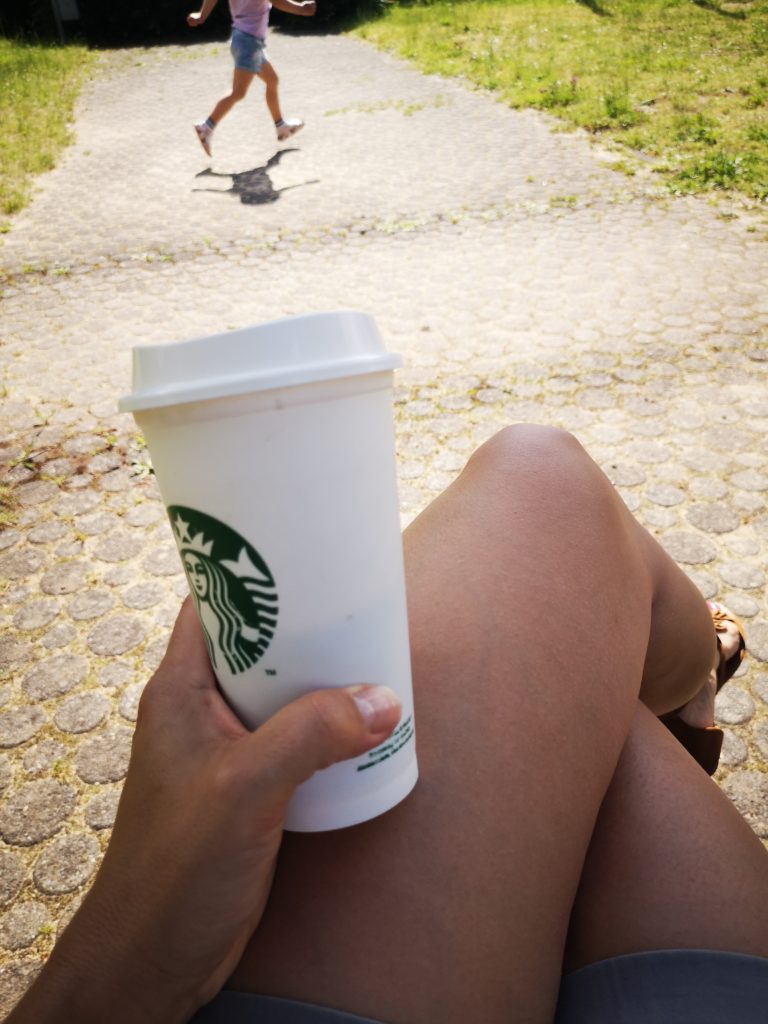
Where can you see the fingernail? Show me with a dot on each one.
(375, 704)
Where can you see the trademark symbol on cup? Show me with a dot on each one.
(271, 671)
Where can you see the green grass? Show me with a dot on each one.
(38, 87)
(683, 81)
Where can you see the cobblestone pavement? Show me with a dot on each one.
(520, 277)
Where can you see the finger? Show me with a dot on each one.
(318, 730)
(184, 687)
(187, 655)
(185, 666)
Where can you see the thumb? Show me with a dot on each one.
(318, 730)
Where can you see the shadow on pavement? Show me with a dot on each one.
(254, 187)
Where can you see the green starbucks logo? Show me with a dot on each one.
(232, 587)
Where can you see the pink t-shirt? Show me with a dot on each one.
(251, 16)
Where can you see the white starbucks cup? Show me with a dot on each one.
(274, 452)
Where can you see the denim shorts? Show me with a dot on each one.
(247, 51)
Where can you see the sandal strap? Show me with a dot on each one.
(705, 744)
(731, 643)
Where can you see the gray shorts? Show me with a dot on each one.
(671, 986)
(247, 51)
(676, 986)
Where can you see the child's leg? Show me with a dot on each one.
(268, 75)
(241, 83)
(531, 597)
(672, 864)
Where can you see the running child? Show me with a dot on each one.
(249, 33)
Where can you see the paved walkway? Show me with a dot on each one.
(520, 277)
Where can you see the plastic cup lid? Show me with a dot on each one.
(283, 353)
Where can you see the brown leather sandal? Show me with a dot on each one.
(704, 744)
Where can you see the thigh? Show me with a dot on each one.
(672, 864)
(241, 82)
(267, 73)
(455, 905)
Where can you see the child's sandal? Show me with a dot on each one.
(704, 744)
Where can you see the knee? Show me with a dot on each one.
(237, 94)
(543, 465)
(525, 446)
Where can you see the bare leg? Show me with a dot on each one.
(533, 598)
(241, 83)
(672, 864)
(268, 75)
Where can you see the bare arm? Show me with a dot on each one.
(305, 9)
(194, 20)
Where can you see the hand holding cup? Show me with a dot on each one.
(190, 863)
